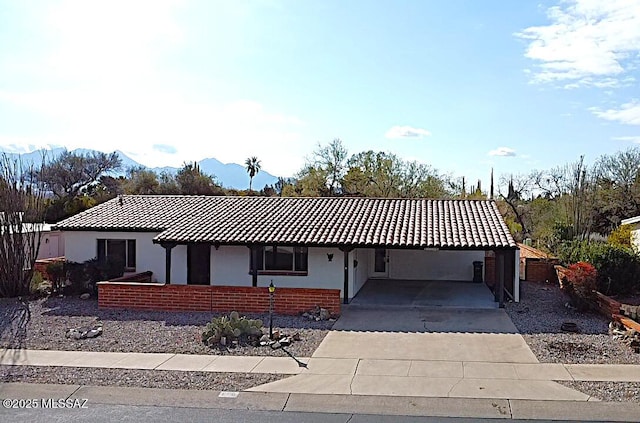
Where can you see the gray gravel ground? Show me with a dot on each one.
(538, 317)
(608, 391)
(140, 331)
(134, 378)
(541, 312)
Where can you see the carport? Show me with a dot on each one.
(425, 293)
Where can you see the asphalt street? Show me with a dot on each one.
(102, 413)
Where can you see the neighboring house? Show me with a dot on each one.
(536, 265)
(303, 243)
(634, 222)
(51, 243)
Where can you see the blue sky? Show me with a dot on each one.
(461, 85)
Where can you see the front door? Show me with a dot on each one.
(380, 263)
(198, 264)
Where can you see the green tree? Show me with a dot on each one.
(323, 173)
(253, 166)
(191, 181)
(71, 177)
(380, 174)
(66, 175)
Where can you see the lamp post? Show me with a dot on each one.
(272, 290)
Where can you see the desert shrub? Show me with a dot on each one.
(231, 327)
(84, 276)
(581, 283)
(38, 287)
(57, 274)
(618, 267)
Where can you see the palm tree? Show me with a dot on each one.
(253, 167)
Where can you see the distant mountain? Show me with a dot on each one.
(229, 175)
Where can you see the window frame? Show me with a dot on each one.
(300, 261)
(130, 256)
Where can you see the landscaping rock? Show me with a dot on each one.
(285, 342)
(84, 332)
(324, 314)
(85, 296)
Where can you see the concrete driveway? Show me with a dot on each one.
(383, 333)
(427, 352)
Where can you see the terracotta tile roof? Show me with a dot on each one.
(411, 223)
(533, 253)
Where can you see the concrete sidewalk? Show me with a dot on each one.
(349, 404)
(358, 376)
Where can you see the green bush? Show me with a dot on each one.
(57, 274)
(83, 276)
(618, 267)
(38, 287)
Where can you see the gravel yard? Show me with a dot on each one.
(136, 378)
(608, 391)
(136, 331)
(140, 331)
(538, 317)
(541, 312)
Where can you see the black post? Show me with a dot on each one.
(254, 265)
(501, 268)
(168, 246)
(345, 289)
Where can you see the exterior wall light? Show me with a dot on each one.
(330, 256)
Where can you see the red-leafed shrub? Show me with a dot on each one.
(581, 283)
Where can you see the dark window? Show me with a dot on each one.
(119, 252)
(131, 253)
(282, 258)
(301, 259)
(278, 258)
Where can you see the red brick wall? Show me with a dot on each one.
(607, 305)
(152, 296)
(541, 271)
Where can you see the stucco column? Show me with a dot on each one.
(168, 246)
(345, 289)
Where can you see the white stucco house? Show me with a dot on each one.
(325, 243)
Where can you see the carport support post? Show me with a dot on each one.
(345, 289)
(500, 268)
(254, 265)
(168, 246)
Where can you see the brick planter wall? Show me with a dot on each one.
(161, 297)
(607, 305)
(541, 271)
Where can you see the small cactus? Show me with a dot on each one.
(232, 326)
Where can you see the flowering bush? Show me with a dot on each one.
(581, 283)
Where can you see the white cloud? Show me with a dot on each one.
(587, 42)
(503, 152)
(107, 86)
(406, 132)
(633, 138)
(628, 114)
(105, 121)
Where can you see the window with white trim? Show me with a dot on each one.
(120, 251)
